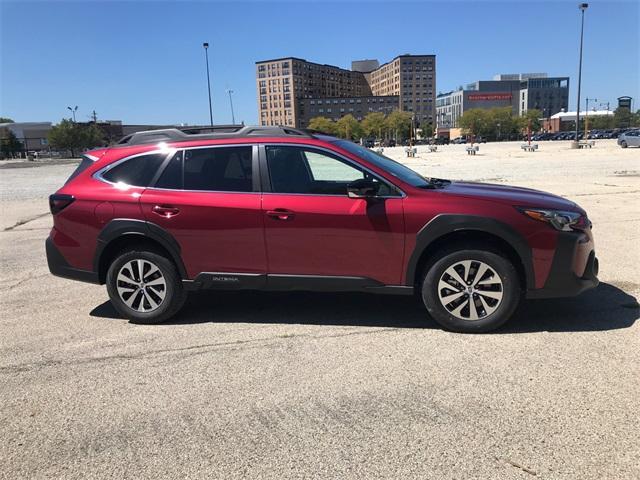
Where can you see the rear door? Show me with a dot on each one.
(312, 227)
(208, 199)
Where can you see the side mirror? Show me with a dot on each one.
(362, 188)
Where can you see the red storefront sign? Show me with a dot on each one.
(489, 96)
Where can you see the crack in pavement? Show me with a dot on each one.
(25, 221)
(24, 280)
(197, 349)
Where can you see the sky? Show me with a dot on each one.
(142, 62)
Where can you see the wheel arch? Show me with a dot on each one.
(446, 230)
(120, 234)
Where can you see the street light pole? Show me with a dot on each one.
(233, 117)
(582, 7)
(206, 54)
(73, 112)
(586, 115)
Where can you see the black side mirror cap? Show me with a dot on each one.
(362, 188)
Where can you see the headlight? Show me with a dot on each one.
(558, 219)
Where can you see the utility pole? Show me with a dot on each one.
(233, 117)
(206, 55)
(94, 116)
(582, 7)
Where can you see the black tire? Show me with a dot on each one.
(174, 293)
(510, 289)
(623, 144)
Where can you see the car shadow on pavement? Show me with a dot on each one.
(605, 308)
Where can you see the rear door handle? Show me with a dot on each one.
(165, 211)
(281, 214)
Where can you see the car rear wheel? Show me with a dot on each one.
(145, 287)
(471, 291)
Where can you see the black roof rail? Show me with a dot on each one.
(182, 134)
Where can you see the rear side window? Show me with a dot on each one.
(84, 164)
(137, 171)
(225, 169)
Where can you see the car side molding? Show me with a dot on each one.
(286, 282)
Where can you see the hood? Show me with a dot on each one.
(516, 196)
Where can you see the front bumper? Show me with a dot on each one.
(61, 268)
(574, 268)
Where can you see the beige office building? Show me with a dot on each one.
(284, 83)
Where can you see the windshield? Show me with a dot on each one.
(394, 168)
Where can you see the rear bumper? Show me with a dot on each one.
(61, 268)
(574, 268)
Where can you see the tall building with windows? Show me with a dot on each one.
(521, 92)
(291, 90)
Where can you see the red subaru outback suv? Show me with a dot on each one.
(274, 208)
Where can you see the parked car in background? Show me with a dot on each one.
(275, 208)
(630, 138)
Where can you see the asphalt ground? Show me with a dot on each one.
(276, 385)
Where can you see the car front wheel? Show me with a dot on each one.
(471, 291)
(623, 144)
(145, 287)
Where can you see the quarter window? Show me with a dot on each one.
(137, 171)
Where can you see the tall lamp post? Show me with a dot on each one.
(73, 112)
(206, 55)
(233, 117)
(586, 115)
(582, 7)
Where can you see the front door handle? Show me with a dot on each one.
(281, 214)
(165, 211)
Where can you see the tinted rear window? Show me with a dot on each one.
(137, 171)
(221, 169)
(84, 164)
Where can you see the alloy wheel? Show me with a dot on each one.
(470, 290)
(141, 285)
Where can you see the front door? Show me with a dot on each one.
(313, 228)
(206, 198)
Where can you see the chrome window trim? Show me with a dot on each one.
(170, 151)
(184, 149)
(99, 175)
(346, 160)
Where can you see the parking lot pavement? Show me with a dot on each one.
(257, 385)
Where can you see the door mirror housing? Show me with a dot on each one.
(363, 188)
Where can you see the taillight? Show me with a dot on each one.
(59, 201)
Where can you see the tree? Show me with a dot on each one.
(348, 127)
(427, 130)
(6, 120)
(68, 135)
(622, 117)
(9, 144)
(322, 124)
(373, 125)
(399, 123)
(500, 123)
(532, 116)
(601, 122)
(475, 122)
